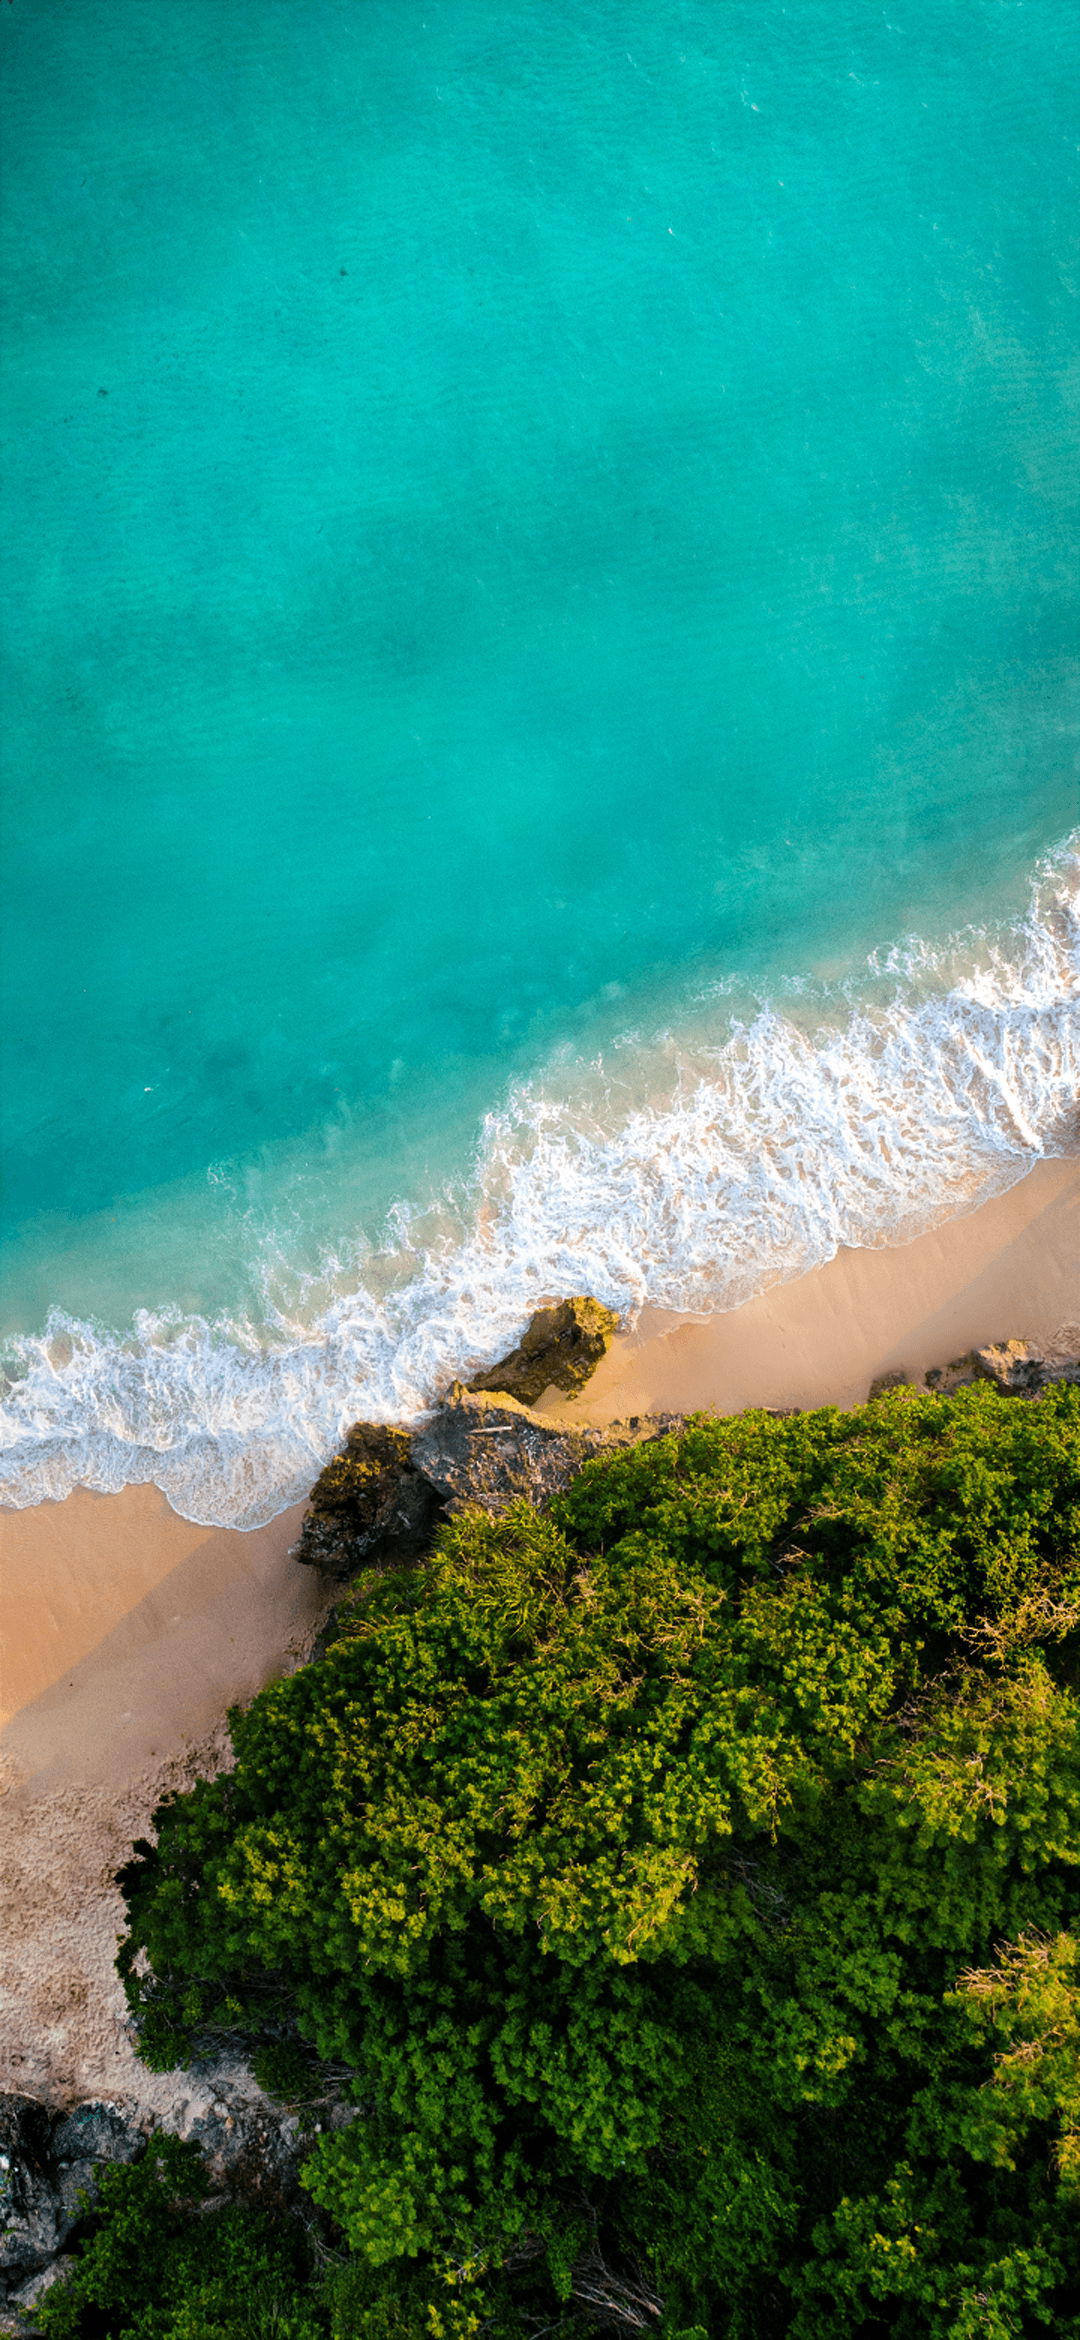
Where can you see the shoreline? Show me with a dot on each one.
(129, 1630)
(1010, 1268)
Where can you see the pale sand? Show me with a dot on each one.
(129, 1631)
(126, 1633)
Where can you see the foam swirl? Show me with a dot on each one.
(692, 1176)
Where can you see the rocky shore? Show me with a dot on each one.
(377, 1503)
(52, 2160)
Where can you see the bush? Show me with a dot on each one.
(689, 1879)
(158, 2267)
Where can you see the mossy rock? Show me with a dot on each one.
(369, 1505)
(359, 1478)
(559, 1349)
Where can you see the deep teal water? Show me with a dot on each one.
(518, 519)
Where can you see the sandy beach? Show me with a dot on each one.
(127, 1631)
(125, 1634)
(1010, 1269)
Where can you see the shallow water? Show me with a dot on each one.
(540, 541)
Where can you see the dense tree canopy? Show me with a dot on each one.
(689, 1879)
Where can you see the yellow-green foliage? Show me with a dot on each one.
(689, 1877)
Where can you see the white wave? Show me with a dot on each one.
(692, 1177)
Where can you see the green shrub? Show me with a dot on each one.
(282, 2068)
(158, 2267)
(641, 1861)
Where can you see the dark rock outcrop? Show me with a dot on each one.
(31, 2293)
(49, 2170)
(380, 1499)
(370, 1504)
(29, 2214)
(477, 1448)
(559, 1349)
(958, 1374)
(487, 1449)
(51, 2164)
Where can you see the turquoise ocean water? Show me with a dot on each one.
(540, 702)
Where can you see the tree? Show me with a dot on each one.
(644, 1864)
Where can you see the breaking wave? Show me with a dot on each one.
(689, 1172)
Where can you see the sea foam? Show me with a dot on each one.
(690, 1173)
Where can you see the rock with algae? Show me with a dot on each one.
(369, 1504)
(559, 1349)
(378, 1501)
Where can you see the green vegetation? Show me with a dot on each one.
(689, 1880)
(159, 2267)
